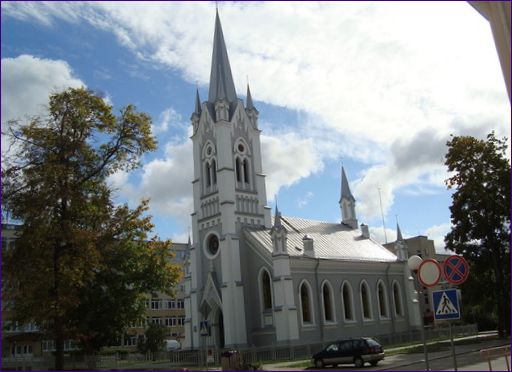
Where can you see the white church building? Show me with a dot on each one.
(256, 280)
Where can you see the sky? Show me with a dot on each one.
(377, 87)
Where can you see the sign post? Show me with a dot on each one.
(447, 307)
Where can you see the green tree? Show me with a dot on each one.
(154, 340)
(481, 222)
(81, 264)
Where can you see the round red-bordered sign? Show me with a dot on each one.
(429, 272)
(456, 269)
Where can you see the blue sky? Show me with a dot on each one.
(377, 86)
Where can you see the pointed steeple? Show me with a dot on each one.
(399, 237)
(400, 245)
(249, 104)
(345, 189)
(221, 80)
(347, 203)
(197, 109)
(277, 218)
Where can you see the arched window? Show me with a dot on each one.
(365, 301)
(207, 174)
(238, 170)
(246, 170)
(266, 292)
(382, 300)
(348, 304)
(328, 302)
(397, 299)
(305, 303)
(214, 171)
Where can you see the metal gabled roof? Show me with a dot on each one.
(330, 240)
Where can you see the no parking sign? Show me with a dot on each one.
(456, 269)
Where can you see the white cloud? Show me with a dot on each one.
(302, 202)
(376, 81)
(27, 82)
(437, 234)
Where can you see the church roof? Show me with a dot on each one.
(221, 79)
(331, 240)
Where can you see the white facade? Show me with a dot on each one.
(259, 281)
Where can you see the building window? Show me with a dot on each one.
(348, 304)
(328, 302)
(397, 299)
(266, 290)
(305, 302)
(214, 171)
(246, 171)
(382, 300)
(366, 301)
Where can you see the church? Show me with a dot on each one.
(257, 278)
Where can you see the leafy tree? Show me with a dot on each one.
(154, 340)
(81, 264)
(481, 222)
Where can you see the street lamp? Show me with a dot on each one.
(414, 263)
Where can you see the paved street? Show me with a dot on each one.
(467, 357)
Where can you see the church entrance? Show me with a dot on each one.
(220, 322)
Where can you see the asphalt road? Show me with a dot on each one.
(467, 358)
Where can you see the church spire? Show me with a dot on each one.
(249, 104)
(221, 80)
(347, 203)
(345, 189)
(197, 109)
(399, 237)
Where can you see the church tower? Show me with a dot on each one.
(229, 193)
(347, 203)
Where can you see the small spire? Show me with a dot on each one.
(277, 217)
(197, 109)
(345, 189)
(249, 98)
(399, 237)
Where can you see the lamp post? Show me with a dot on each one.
(414, 263)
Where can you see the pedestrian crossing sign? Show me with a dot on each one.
(446, 304)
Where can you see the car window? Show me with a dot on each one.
(372, 342)
(332, 347)
(358, 344)
(346, 346)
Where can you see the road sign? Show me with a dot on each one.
(204, 329)
(456, 269)
(446, 304)
(429, 272)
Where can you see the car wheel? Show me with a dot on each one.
(374, 363)
(319, 363)
(358, 362)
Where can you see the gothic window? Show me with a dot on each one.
(328, 302)
(266, 290)
(214, 171)
(348, 305)
(397, 299)
(246, 170)
(365, 301)
(305, 303)
(238, 170)
(207, 175)
(382, 300)
(212, 244)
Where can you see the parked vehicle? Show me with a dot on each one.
(172, 345)
(357, 351)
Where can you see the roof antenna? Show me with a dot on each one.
(382, 215)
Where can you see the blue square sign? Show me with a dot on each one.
(446, 304)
